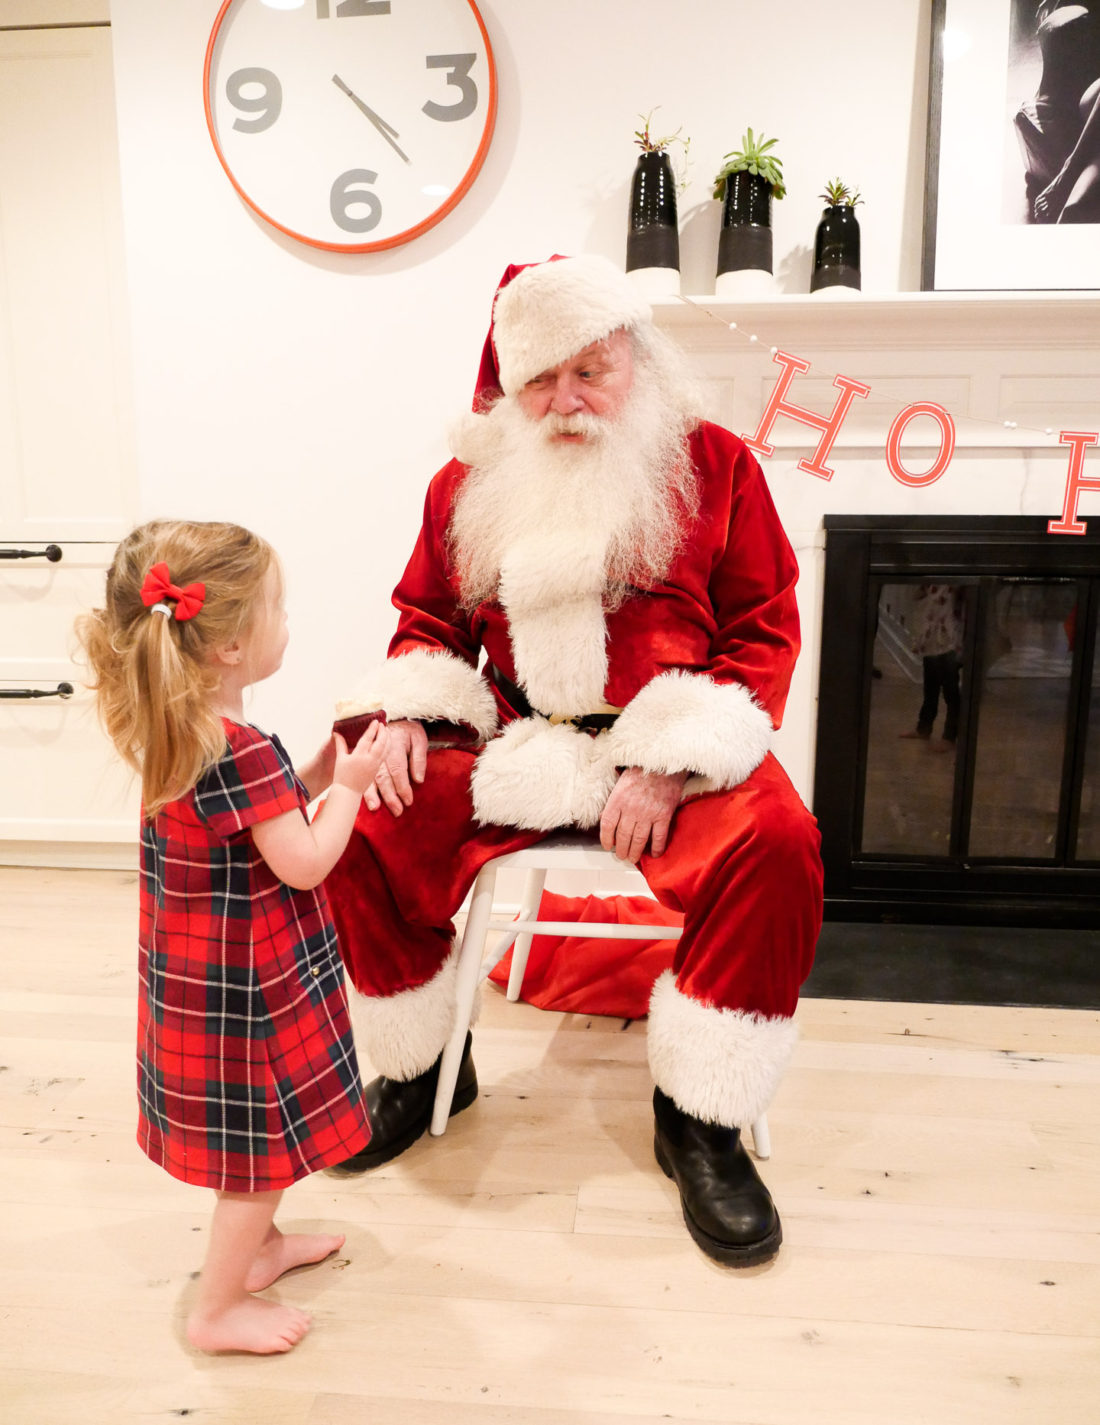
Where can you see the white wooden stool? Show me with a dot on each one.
(566, 852)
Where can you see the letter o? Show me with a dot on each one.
(897, 430)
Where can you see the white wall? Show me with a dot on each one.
(307, 394)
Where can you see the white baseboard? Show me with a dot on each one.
(72, 855)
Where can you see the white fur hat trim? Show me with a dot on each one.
(555, 309)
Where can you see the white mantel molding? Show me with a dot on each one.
(919, 320)
(987, 359)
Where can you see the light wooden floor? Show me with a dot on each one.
(936, 1167)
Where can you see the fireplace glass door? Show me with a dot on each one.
(959, 720)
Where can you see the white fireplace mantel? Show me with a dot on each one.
(989, 359)
(920, 320)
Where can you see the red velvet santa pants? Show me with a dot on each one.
(743, 866)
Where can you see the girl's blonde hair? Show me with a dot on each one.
(155, 676)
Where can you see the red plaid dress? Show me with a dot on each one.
(247, 1076)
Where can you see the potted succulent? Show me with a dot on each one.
(750, 177)
(653, 237)
(836, 244)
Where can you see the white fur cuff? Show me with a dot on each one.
(542, 776)
(432, 685)
(720, 1065)
(404, 1034)
(686, 722)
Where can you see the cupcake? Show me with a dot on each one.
(355, 715)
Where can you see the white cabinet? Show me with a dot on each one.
(66, 459)
(64, 797)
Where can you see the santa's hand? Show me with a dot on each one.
(640, 811)
(405, 762)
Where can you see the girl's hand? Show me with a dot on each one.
(303, 852)
(316, 774)
(357, 769)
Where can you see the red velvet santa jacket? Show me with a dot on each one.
(700, 663)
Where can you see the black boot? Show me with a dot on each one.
(728, 1210)
(401, 1109)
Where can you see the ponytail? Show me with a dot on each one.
(154, 673)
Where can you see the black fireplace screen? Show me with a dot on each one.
(958, 745)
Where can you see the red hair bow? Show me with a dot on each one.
(158, 586)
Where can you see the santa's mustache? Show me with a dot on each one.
(580, 423)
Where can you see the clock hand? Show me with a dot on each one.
(376, 119)
(388, 132)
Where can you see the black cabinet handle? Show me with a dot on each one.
(63, 690)
(52, 552)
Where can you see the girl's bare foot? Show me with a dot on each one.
(263, 1327)
(281, 1253)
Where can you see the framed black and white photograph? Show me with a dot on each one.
(1012, 198)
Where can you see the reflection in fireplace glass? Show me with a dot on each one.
(1022, 712)
(916, 694)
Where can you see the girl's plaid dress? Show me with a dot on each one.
(247, 1076)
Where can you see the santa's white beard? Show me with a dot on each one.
(611, 508)
(559, 533)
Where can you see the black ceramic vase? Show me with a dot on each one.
(653, 239)
(836, 249)
(745, 242)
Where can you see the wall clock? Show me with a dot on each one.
(351, 125)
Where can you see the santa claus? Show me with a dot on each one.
(597, 629)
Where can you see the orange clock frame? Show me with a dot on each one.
(397, 239)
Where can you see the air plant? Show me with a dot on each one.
(649, 144)
(839, 195)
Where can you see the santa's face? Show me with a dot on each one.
(576, 396)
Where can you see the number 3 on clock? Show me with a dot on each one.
(352, 125)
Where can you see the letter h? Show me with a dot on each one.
(829, 426)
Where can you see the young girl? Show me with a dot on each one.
(247, 1077)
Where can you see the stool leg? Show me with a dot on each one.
(761, 1138)
(532, 894)
(466, 982)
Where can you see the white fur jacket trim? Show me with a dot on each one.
(688, 722)
(720, 1065)
(431, 685)
(541, 775)
(404, 1034)
(552, 592)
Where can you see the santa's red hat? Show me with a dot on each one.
(546, 312)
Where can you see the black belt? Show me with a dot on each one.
(518, 701)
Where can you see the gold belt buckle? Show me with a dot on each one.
(604, 709)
